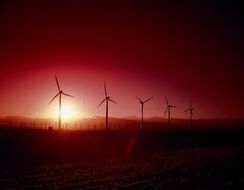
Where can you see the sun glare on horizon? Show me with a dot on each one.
(69, 112)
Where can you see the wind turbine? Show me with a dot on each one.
(107, 98)
(190, 110)
(60, 93)
(168, 110)
(142, 107)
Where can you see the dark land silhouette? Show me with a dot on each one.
(209, 156)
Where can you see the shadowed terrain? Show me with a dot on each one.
(172, 159)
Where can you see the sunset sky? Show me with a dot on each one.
(185, 51)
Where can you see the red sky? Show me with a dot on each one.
(185, 51)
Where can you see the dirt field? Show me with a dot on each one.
(182, 159)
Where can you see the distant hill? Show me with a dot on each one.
(130, 122)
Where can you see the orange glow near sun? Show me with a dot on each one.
(69, 111)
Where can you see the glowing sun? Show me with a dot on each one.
(69, 111)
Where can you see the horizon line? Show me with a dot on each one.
(129, 117)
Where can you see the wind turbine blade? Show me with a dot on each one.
(139, 99)
(112, 101)
(101, 102)
(193, 114)
(148, 100)
(53, 98)
(67, 95)
(105, 90)
(187, 110)
(166, 101)
(166, 112)
(57, 82)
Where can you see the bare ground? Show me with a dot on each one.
(144, 163)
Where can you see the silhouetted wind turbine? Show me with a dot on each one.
(142, 107)
(60, 93)
(107, 98)
(168, 110)
(190, 110)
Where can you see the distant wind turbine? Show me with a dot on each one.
(168, 110)
(142, 109)
(60, 93)
(107, 98)
(190, 110)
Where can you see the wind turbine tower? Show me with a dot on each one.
(59, 94)
(191, 114)
(168, 110)
(107, 99)
(142, 109)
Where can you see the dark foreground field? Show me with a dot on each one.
(183, 159)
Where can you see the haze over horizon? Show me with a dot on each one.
(187, 51)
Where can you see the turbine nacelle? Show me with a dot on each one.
(106, 97)
(143, 102)
(60, 93)
(190, 110)
(191, 114)
(168, 108)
